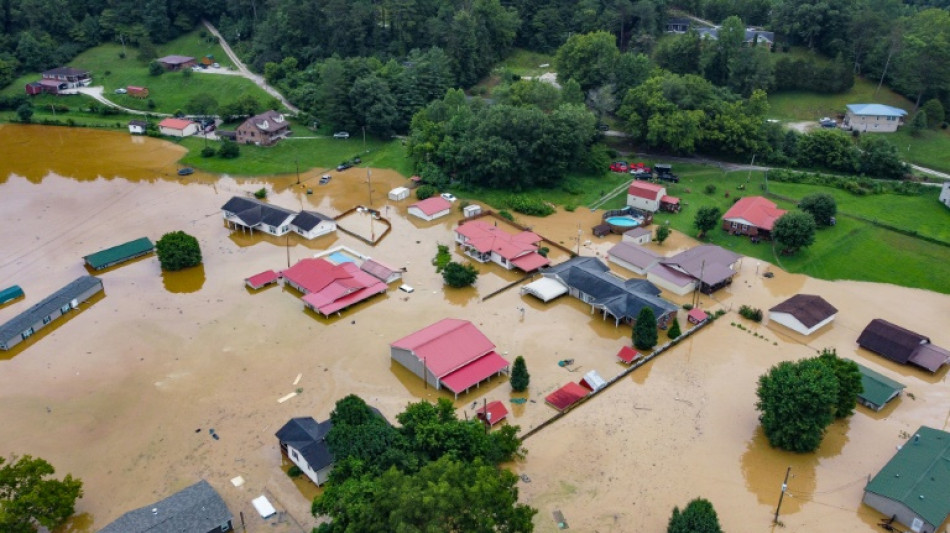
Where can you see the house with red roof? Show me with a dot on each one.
(492, 413)
(330, 288)
(486, 242)
(753, 215)
(651, 197)
(431, 208)
(451, 353)
(178, 127)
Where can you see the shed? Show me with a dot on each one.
(601, 230)
(263, 506)
(472, 210)
(137, 127)
(136, 91)
(568, 395)
(639, 236)
(10, 293)
(431, 208)
(878, 389)
(119, 254)
(803, 313)
(593, 381)
(628, 355)
(696, 316)
(263, 279)
(399, 193)
(545, 289)
(912, 486)
(27, 323)
(902, 345)
(492, 413)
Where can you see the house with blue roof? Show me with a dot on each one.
(878, 118)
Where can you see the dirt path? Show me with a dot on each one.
(244, 71)
(96, 93)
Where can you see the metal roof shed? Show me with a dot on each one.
(878, 389)
(119, 254)
(10, 294)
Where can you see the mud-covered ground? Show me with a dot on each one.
(123, 394)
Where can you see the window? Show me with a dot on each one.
(735, 225)
(26, 334)
(47, 320)
(64, 309)
(745, 227)
(293, 453)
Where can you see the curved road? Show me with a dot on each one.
(244, 71)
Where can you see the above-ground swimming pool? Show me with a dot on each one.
(623, 221)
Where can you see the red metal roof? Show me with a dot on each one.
(756, 211)
(326, 307)
(259, 280)
(496, 412)
(475, 372)
(530, 262)
(433, 205)
(628, 355)
(670, 200)
(332, 287)
(696, 315)
(649, 191)
(175, 123)
(566, 396)
(447, 345)
(519, 249)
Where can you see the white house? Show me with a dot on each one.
(484, 242)
(431, 208)
(873, 117)
(399, 193)
(945, 194)
(247, 213)
(137, 127)
(303, 440)
(639, 236)
(178, 127)
(646, 196)
(804, 313)
(311, 224)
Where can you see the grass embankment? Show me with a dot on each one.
(853, 249)
(931, 149)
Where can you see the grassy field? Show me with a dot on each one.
(170, 91)
(527, 63)
(852, 249)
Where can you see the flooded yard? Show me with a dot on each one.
(124, 394)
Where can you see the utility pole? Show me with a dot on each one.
(487, 415)
(364, 139)
(297, 163)
(784, 488)
(369, 183)
(578, 239)
(702, 271)
(288, 250)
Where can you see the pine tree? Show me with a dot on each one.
(519, 375)
(674, 330)
(644, 332)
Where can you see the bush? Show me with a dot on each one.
(155, 69)
(710, 189)
(261, 193)
(505, 214)
(544, 251)
(178, 250)
(229, 150)
(520, 379)
(674, 330)
(529, 205)
(752, 313)
(294, 471)
(207, 151)
(457, 275)
(426, 191)
(442, 258)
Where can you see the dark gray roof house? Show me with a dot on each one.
(254, 214)
(307, 220)
(24, 325)
(590, 280)
(303, 439)
(196, 509)
(804, 313)
(902, 345)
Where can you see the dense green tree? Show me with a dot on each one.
(25, 113)
(644, 331)
(589, 59)
(520, 379)
(707, 218)
(749, 70)
(880, 158)
(813, 23)
(202, 104)
(922, 64)
(821, 206)
(662, 233)
(674, 330)
(679, 53)
(177, 250)
(718, 54)
(797, 401)
(848, 375)
(155, 68)
(831, 149)
(373, 105)
(699, 516)
(243, 106)
(919, 123)
(571, 92)
(30, 498)
(536, 93)
(228, 149)
(794, 230)
(457, 275)
(935, 112)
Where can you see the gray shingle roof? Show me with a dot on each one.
(253, 212)
(196, 509)
(308, 437)
(708, 263)
(890, 340)
(307, 220)
(47, 306)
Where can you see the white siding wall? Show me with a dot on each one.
(793, 323)
(414, 211)
(321, 229)
(889, 508)
(872, 123)
(629, 266)
(643, 203)
(663, 283)
(413, 364)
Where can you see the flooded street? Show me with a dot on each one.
(123, 394)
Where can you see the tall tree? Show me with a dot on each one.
(699, 516)
(520, 379)
(644, 331)
(923, 64)
(588, 59)
(707, 218)
(794, 230)
(821, 206)
(797, 401)
(30, 498)
(849, 381)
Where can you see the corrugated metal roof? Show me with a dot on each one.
(120, 253)
(878, 388)
(10, 293)
(566, 396)
(447, 345)
(876, 110)
(47, 306)
(475, 372)
(756, 210)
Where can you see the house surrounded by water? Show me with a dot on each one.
(61, 302)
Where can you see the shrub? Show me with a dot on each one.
(261, 193)
(229, 150)
(570, 207)
(505, 214)
(178, 250)
(294, 471)
(674, 330)
(752, 313)
(426, 191)
(442, 258)
(544, 251)
(155, 69)
(458, 275)
(207, 151)
(529, 205)
(710, 189)
(687, 306)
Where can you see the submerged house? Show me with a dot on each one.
(251, 214)
(451, 353)
(912, 486)
(119, 254)
(311, 224)
(902, 345)
(304, 441)
(27, 323)
(485, 242)
(195, 509)
(803, 313)
(707, 267)
(878, 389)
(330, 288)
(431, 208)
(589, 279)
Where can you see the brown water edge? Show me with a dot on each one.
(114, 396)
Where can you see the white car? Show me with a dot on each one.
(448, 196)
(120, 91)
(406, 288)
(341, 135)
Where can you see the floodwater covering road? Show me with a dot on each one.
(124, 393)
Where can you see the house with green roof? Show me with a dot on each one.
(878, 389)
(119, 254)
(913, 486)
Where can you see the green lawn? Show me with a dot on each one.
(853, 249)
(282, 158)
(527, 63)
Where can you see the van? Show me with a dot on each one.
(406, 288)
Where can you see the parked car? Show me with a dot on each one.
(406, 288)
(619, 166)
(602, 127)
(828, 122)
(187, 171)
(341, 135)
(344, 165)
(215, 65)
(324, 179)
(120, 91)
(448, 196)
(641, 171)
(665, 173)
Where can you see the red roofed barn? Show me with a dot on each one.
(484, 242)
(753, 215)
(178, 127)
(651, 197)
(431, 208)
(330, 288)
(451, 353)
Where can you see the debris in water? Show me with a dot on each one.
(559, 518)
(198, 430)
(525, 478)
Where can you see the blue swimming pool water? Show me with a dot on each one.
(340, 257)
(623, 221)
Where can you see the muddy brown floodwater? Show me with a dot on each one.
(124, 393)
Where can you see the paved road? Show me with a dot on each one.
(244, 71)
(96, 93)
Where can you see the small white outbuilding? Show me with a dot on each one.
(399, 193)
